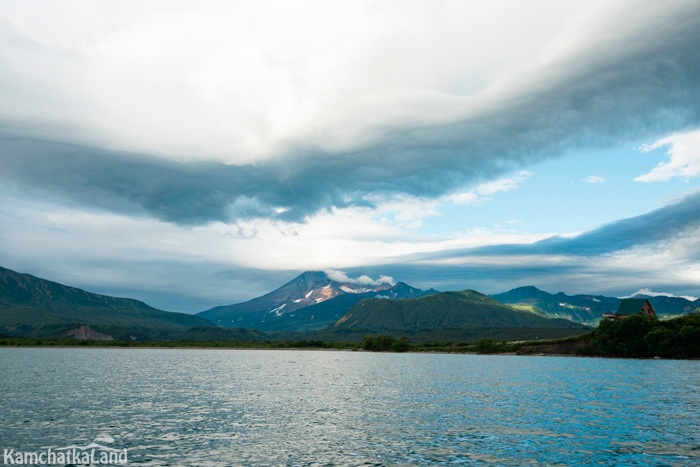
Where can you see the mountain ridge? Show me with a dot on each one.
(585, 308)
(30, 306)
(310, 301)
(313, 301)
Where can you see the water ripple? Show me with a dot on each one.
(223, 408)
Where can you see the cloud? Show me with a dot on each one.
(660, 248)
(656, 227)
(579, 96)
(503, 184)
(651, 293)
(340, 276)
(218, 263)
(684, 158)
(236, 81)
(219, 144)
(465, 199)
(594, 179)
(610, 274)
(193, 268)
(478, 195)
(406, 210)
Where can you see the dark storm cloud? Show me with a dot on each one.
(657, 227)
(579, 268)
(184, 193)
(640, 81)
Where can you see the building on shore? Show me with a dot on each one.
(629, 307)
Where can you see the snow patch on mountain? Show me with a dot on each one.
(347, 289)
(278, 309)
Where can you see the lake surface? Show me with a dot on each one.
(326, 408)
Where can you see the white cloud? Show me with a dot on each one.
(245, 81)
(683, 157)
(409, 209)
(96, 250)
(479, 194)
(99, 250)
(237, 81)
(667, 268)
(651, 293)
(503, 184)
(465, 199)
(340, 276)
(405, 210)
(594, 179)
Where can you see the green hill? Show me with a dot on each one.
(34, 307)
(467, 314)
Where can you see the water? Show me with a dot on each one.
(314, 408)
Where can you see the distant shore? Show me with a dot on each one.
(302, 349)
(633, 337)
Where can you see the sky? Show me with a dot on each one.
(199, 153)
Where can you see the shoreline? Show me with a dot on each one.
(301, 349)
